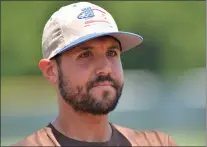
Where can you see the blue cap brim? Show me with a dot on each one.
(128, 40)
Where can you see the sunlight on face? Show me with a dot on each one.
(91, 76)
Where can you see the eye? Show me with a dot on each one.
(112, 53)
(85, 54)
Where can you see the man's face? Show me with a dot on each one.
(91, 76)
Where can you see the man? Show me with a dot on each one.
(81, 58)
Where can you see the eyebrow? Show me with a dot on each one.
(112, 47)
(86, 48)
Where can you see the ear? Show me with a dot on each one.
(49, 70)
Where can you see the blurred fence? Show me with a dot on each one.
(175, 105)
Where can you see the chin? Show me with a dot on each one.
(105, 94)
(103, 91)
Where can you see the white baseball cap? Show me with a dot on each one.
(76, 23)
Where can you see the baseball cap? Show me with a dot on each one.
(79, 22)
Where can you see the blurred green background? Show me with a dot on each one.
(165, 85)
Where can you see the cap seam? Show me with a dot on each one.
(62, 34)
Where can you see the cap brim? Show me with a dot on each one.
(128, 40)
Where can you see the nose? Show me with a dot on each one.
(103, 67)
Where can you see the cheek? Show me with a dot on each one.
(118, 71)
(80, 74)
(74, 73)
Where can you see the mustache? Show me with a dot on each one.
(102, 78)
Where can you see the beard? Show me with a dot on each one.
(82, 101)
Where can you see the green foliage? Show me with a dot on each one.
(173, 32)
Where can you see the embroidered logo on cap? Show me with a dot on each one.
(86, 13)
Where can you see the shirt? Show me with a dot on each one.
(117, 139)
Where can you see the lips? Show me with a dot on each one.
(105, 83)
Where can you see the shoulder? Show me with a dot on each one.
(146, 138)
(41, 137)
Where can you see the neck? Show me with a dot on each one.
(83, 126)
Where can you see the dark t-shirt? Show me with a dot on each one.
(117, 139)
